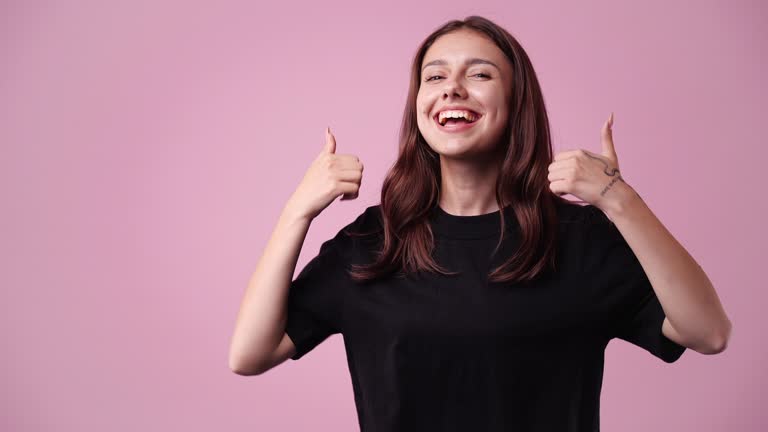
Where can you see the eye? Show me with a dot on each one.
(438, 76)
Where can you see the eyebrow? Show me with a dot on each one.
(469, 61)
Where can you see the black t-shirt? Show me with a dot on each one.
(457, 353)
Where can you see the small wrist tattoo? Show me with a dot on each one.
(610, 172)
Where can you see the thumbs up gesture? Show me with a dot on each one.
(329, 176)
(593, 178)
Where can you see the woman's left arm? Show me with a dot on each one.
(695, 316)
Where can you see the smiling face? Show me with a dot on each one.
(467, 69)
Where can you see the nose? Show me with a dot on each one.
(453, 88)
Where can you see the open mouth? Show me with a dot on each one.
(456, 124)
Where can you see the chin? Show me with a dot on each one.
(456, 151)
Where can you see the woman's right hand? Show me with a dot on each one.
(329, 176)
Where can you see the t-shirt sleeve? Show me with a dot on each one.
(635, 315)
(316, 298)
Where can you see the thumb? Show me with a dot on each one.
(330, 141)
(606, 137)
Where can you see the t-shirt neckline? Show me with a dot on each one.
(469, 227)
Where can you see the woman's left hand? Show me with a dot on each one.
(593, 178)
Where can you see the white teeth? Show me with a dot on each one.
(445, 115)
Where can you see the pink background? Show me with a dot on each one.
(148, 148)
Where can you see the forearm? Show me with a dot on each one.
(684, 290)
(261, 320)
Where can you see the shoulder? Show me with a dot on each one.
(365, 228)
(367, 222)
(587, 224)
(591, 239)
(586, 215)
(573, 213)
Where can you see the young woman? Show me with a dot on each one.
(474, 297)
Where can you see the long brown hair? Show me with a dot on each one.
(411, 188)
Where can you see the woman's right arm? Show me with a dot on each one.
(261, 320)
(259, 342)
